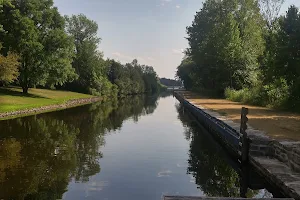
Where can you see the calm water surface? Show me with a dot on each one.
(136, 148)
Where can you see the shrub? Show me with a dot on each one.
(278, 93)
(273, 95)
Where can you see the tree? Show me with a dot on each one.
(225, 43)
(84, 34)
(133, 78)
(170, 82)
(34, 29)
(270, 10)
(88, 62)
(9, 67)
(186, 72)
(288, 57)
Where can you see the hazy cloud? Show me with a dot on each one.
(122, 57)
(177, 51)
(127, 58)
(165, 173)
(163, 2)
(150, 58)
(178, 6)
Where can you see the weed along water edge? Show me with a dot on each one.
(137, 148)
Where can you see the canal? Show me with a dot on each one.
(135, 148)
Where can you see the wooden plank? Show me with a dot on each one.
(216, 198)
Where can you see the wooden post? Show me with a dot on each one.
(244, 140)
(244, 181)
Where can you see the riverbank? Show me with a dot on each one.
(275, 124)
(13, 103)
(277, 161)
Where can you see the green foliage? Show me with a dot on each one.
(278, 93)
(133, 78)
(226, 43)
(275, 94)
(88, 62)
(170, 82)
(9, 67)
(186, 72)
(62, 52)
(250, 51)
(34, 29)
(106, 78)
(254, 95)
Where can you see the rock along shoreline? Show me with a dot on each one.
(38, 110)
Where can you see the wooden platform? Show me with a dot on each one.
(215, 198)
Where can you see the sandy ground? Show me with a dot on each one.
(276, 124)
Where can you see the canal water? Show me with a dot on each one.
(135, 148)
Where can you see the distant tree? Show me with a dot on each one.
(170, 82)
(133, 78)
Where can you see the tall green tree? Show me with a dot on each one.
(88, 62)
(34, 29)
(288, 56)
(186, 72)
(226, 44)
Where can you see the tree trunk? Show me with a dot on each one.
(25, 89)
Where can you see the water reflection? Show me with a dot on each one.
(39, 155)
(213, 171)
(43, 156)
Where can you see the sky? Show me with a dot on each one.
(152, 31)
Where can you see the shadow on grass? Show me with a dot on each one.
(9, 91)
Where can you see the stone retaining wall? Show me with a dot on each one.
(277, 161)
(289, 153)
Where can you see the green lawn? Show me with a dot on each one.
(12, 98)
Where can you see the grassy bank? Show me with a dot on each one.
(12, 99)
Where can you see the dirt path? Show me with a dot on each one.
(68, 104)
(276, 124)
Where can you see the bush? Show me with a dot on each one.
(254, 96)
(273, 95)
(102, 87)
(278, 93)
(234, 95)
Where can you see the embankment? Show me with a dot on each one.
(47, 108)
(277, 161)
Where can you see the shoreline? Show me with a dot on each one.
(49, 108)
(278, 162)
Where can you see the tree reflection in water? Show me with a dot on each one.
(213, 175)
(39, 155)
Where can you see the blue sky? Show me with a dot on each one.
(152, 31)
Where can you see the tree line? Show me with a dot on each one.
(41, 48)
(170, 82)
(245, 51)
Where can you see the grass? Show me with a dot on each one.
(12, 98)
